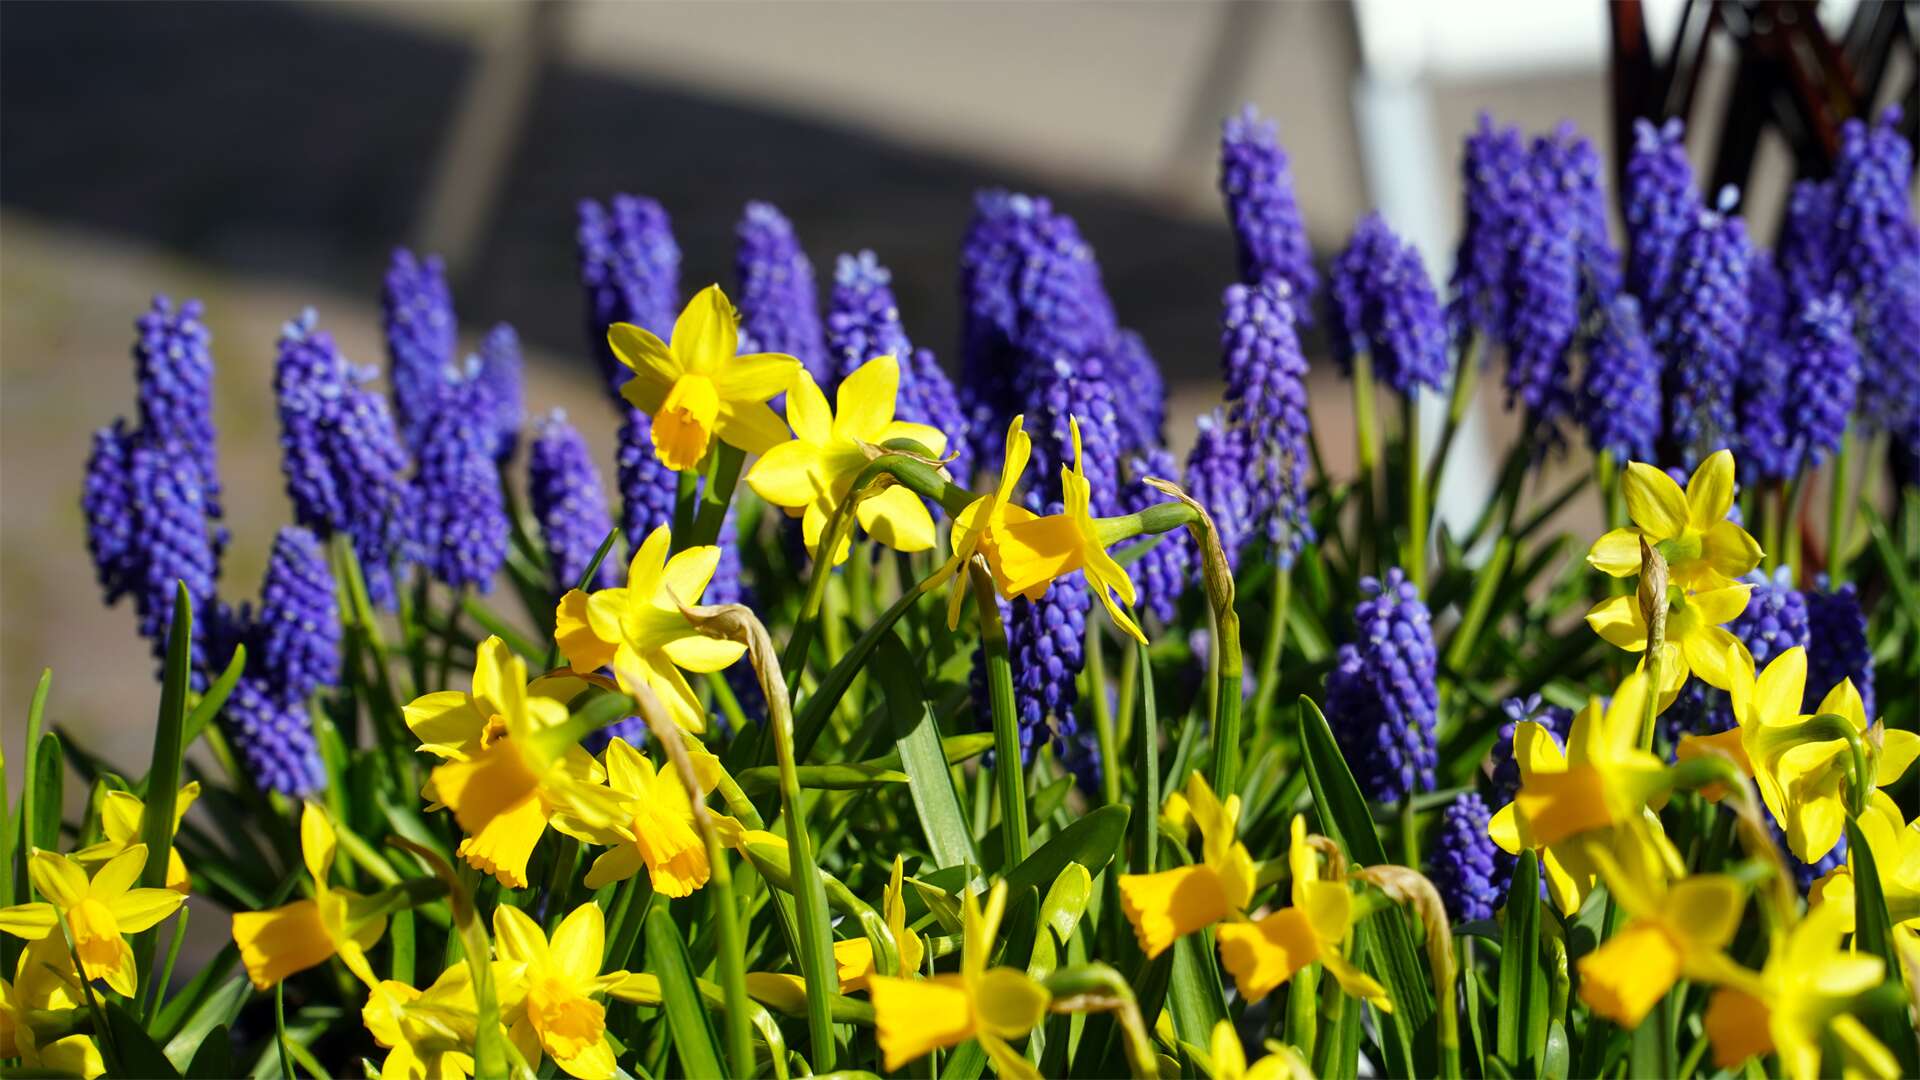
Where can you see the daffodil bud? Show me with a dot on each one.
(1653, 591)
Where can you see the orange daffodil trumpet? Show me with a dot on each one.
(664, 840)
(696, 389)
(1704, 553)
(1261, 954)
(97, 913)
(503, 774)
(428, 1034)
(812, 474)
(638, 629)
(1033, 554)
(551, 989)
(294, 937)
(979, 527)
(916, 1016)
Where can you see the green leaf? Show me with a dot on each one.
(135, 1049)
(916, 736)
(214, 1059)
(215, 1013)
(1091, 842)
(1060, 913)
(49, 779)
(162, 786)
(687, 1019)
(1873, 933)
(24, 826)
(853, 776)
(1389, 942)
(214, 699)
(1521, 1031)
(1194, 995)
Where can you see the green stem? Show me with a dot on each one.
(1656, 646)
(1416, 556)
(1366, 443)
(1006, 725)
(1226, 715)
(1837, 518)
(1103, 727)
(685, 500)
(1267, 677)
(1409, 834)
(809, 891)
(1796, 489)
(718, 494)
(1147, 815)
(1466, 374)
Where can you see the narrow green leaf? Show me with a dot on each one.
(1060, 913)
(1091, 842)
(1194, 995)
(1873, 933)
(214, 1014)
(49, 779)
(214, 1058)
(162, 786)
(916, 736)
(1521, 1025)
(214, 699)
(135, 1048)
(26, 825)
(687, 1019)
(852, 776)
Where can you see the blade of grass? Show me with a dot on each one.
(687, 1019)
(16, 868)
(214, 699)
(916, 734)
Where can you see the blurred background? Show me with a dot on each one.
(267, 157)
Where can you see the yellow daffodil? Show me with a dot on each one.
(1168, 905)
(811, 475)
(428, 1034)
(639, 630)
(294, 937)
(97, 912)
(914, 1017)
(1677, 931)
(1697, 643)
(505, 777)
(1603, 781)
(1282, 1062)
(121, 818)
(1895, 847)
(1802, 994)
(549, 988)
(1802, 777)
(855, 956)
(978, 528)
(1265, 953)
(696, 389)
(43, 982)
(1035, 553)
(664, 841)
(1704, 551)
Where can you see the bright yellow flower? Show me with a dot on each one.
(1035, 553)
(1802, 994)
(1677, 931)
(855, 955)
(1801, 779)
(294, 937)
(812, 474)
(914, 1017)
(1603, 781)
(664, 840)
(1896, 855)
(1171, 904)
(978, 528)
(121, 818)
(505, 777)
(639, 630)
(97, 912)
(1282, 1062)
(43, 981)
(1265, 953)
(1696, 641)
(428, 1034)
(548, 988)
(1704, 551)
(696, 389)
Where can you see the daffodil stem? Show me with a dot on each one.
(1006, 725)
(1790, 523)
(1105, 737)
(1366, 445)
(1226, 714)
(1656, 648)
(685, 503)
(1837, 520)
(1466, 375)
(716, 495)
(1416, 556)
(1146, 813)
(163, 971)
(1606, 475)
(1268, 676)
(280, 1029)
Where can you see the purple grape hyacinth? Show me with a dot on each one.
(1267, 402)
(1268, 230)
(274, 738)
(1806, 242)
(1838, 647)
(498, 367)
(563, 488)
(1385, 309)
(1543, 309)
(461, 519)
(416, 308)
(172, 542)
(1381, 695)
(1216, 477)
(1765, 445)
(1493, 165)
(295, 639)
(1825, 379)
(1463, 865)
(630, 271)
(1661, 206)
(1701, 332)
(345, 467)
(779, 302)
(1565, 164)
(1162, 574)
(863, 322)
(173, 369)
(648, 489)
(1139, 393)
(1620, 398)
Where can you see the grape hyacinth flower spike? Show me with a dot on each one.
(1256, 180)
(563, 488)
(629, 272)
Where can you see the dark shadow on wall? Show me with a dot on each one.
(287, 139)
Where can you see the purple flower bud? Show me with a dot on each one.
(1701, 332)
(630, 271)
(1216, 477)
(1661, 206)
(1463, 863)
(1267, 402)
(648, 489)
(1257, 181)
(1385, 308)
(173, 367)
(417, 313)
(461, 518)
(1493, 165)
(1382, 698)
(1824, 382)
(498, 369)
(563, 487)
(1620, 399)
(1838, 648)
(779, 304)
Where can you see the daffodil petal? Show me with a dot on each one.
(914, 1017)
(1618, 621)
(897, 518)
(140, 909)
(755, 377)
(1617, 553)
(1262, 955)
(864, 404)
(751, 426)
(785, 474)
(1710, 491)
(1654, 501)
